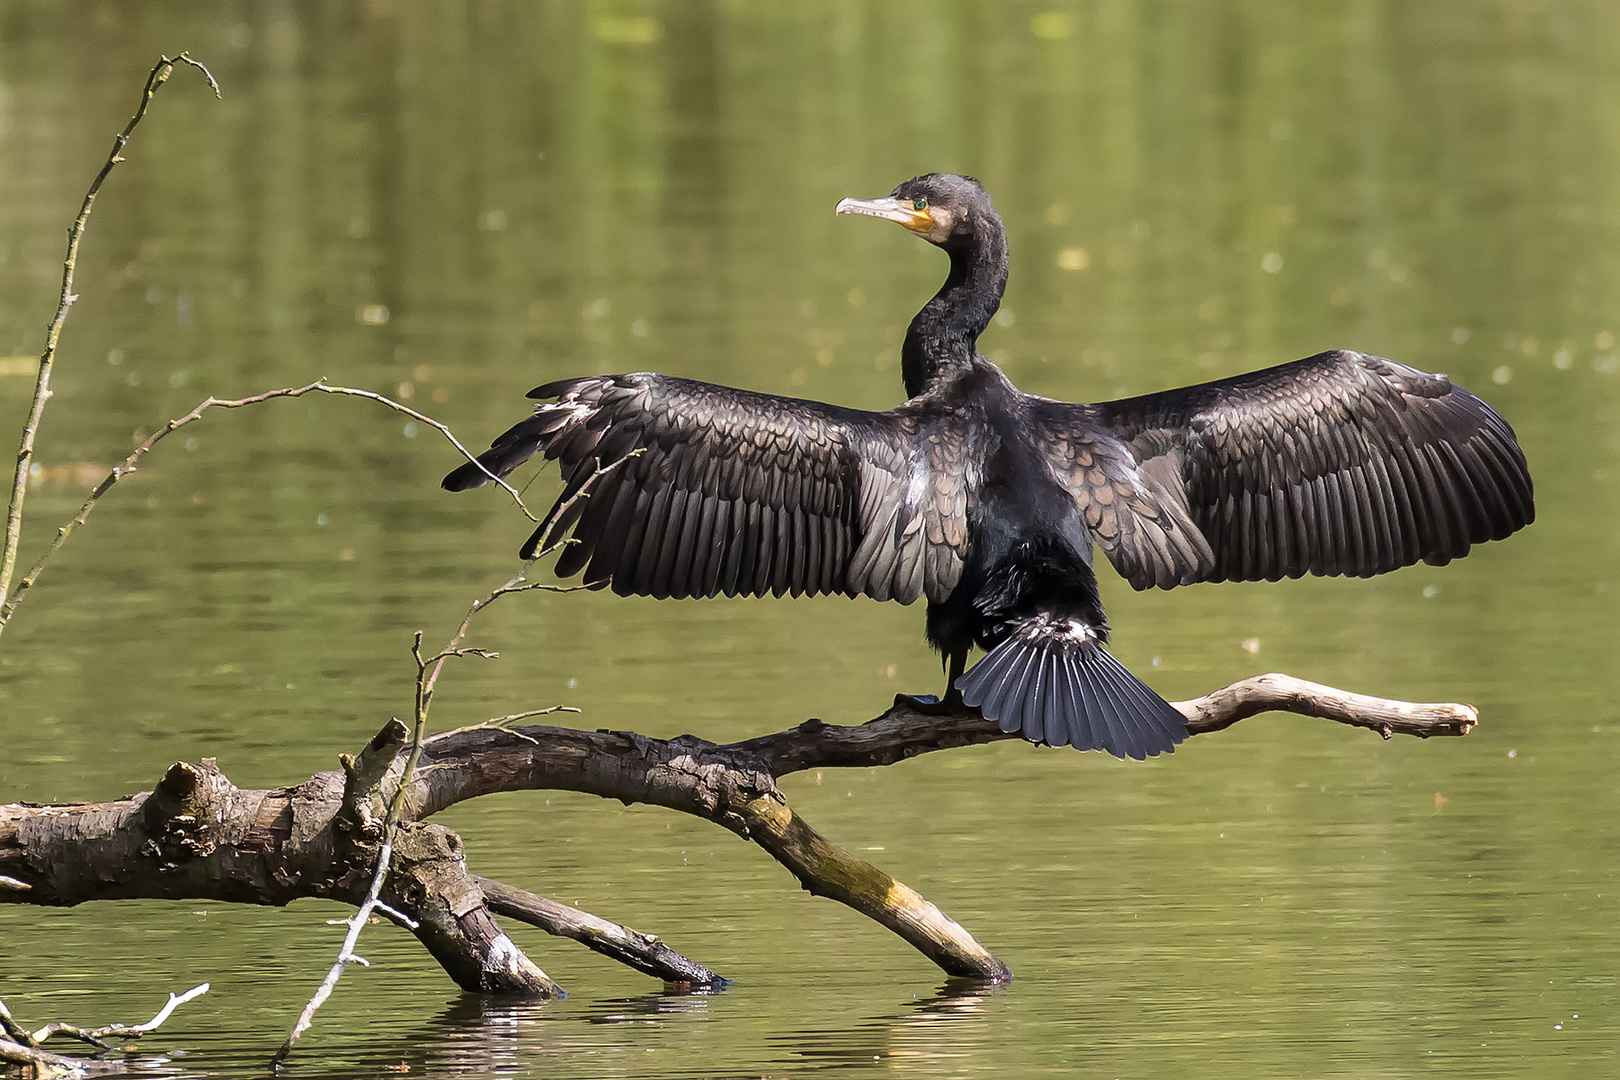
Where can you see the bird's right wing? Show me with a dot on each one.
(676, 488)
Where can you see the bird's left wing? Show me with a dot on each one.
(1340, 463)
(677, 488)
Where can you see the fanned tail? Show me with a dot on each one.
(1057, 685)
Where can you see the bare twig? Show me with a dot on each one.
(95, 1036)
(53, 333)
(512, 718)
(427, 674)
(22, 1047)
(130, 464)
(558, 512)
(346, 956)
(428, 669)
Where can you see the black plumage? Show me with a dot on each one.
(988, 501)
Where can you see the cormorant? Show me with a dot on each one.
(988, 501)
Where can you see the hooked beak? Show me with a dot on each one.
(901, 211)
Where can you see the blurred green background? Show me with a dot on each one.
(451, 203)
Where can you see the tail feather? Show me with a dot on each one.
(998, 673)
(1119, 736)
(1019, 692)
(1050, 715)
(1034, 698)
(1166, 718)
(1079, 728)
(1090, 714)
(1066, 689)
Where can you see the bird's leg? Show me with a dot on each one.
(953, 696)
(931, 704)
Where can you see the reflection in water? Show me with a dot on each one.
(648, 1008)
(932, 1037)
(457, 203)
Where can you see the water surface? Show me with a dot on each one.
(529, 191)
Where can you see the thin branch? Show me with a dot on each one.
(427, 673)
(428, 420)
(396, 915)
(547, 545)
(346, 956)
(130, 464)
(42, 382)
(427, 677)
(644, 952)
(95, 1036)
(428, 670)
(512, 718)
(505, 723)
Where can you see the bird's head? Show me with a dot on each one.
(942, 208)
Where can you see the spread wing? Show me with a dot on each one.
(1341, 463)
(675, 488)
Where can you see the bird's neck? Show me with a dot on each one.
(942, 340)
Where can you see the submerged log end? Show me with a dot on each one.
(430, 883)
(824, 869)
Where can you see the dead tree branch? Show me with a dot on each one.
(53, 333)
(734, 784)
(902, 733)
(96, 1036)
(45, 1063)
(1284, 693)
(644, 952)
(198, 836)
(630, 948)
(132, 462)
(20, 1046)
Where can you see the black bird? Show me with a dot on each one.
(988, 501)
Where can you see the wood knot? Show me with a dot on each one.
(178, 814)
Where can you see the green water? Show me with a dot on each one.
(537, 190)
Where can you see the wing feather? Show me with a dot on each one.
(680, 488)
(1341, 463)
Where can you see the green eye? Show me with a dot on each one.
(919, 204)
